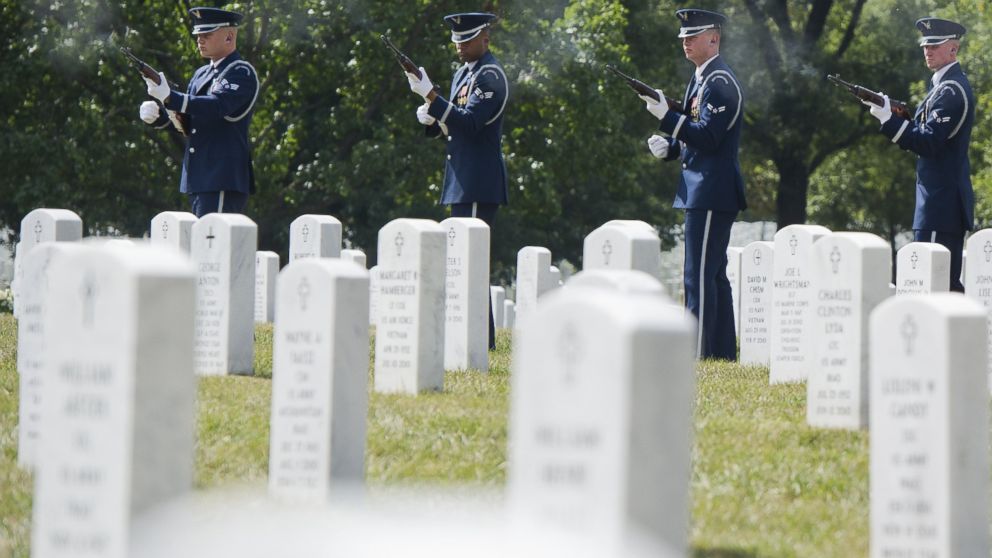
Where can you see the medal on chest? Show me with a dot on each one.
(695, 109)
(461, 99)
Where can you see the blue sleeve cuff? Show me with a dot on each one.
(894, 128)
(177, 101)
(440, 108)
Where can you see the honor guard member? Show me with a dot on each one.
(217, 167)
(939, 135)
(705, 137)
(470, 120)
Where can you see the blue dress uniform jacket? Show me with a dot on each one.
(939, 135)
(218, 104)
(474, 171)
(706, 137)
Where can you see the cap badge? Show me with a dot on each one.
(196, 14)
(927, 24)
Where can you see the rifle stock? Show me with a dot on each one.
(899, 108)
(642, 88)
(178, 120)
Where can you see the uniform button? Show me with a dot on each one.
(685, 166)
(192, 150)
(449, 138)
(449, 157)
(194, 130)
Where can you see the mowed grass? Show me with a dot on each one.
(764, 484)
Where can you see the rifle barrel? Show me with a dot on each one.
(404, 60)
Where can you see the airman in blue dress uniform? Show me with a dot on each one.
(217, 168)
(939, 135)
(705, 137)
(470, 121)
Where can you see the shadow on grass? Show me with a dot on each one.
(722, 553)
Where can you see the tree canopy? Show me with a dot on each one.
(334, 130)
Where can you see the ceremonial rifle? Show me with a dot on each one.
(178, 120)
(405, 62)
(644, 89)
(899, 108)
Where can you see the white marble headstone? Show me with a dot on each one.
(373, 294)
(627, 281)
(852, 273)
(757, 264)
(623, 470)
(320, 365)
(734, 277)
(635, 223)
(622, 247)
(497, 295)
(172, 228)
(555, 280)
(929, 463)
(509, 314)
(43, 225)
(314, 236)
(354, 255)
(923, 267)
(409, 347)
(792, 302)
(223, 249)
(466, 292)
(32, 344)
(978, 277)
(119, 411)
(533, 280)
(266, 271)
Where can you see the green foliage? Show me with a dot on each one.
(334, 130)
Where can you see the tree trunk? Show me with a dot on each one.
(793, 186)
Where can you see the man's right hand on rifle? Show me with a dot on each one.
(882, 112)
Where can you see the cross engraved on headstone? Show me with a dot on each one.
(569, 351)
(607, 250)
(37, 231)
(306, 232)
(914, 258)
(88, 291)
(210, 238)
(835, 260)
(165, 229)
(398, 241)
(757, 257)
(451, 236)
(793, 243)
(988, 251)
(304, 292)
(909, 332)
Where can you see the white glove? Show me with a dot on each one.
(160, 91)
(884, 112)
(658, 109)
(423, 117)
(149, 111)
(421, 86)
(658, 146)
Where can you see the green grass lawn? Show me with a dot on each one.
(763, 483)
